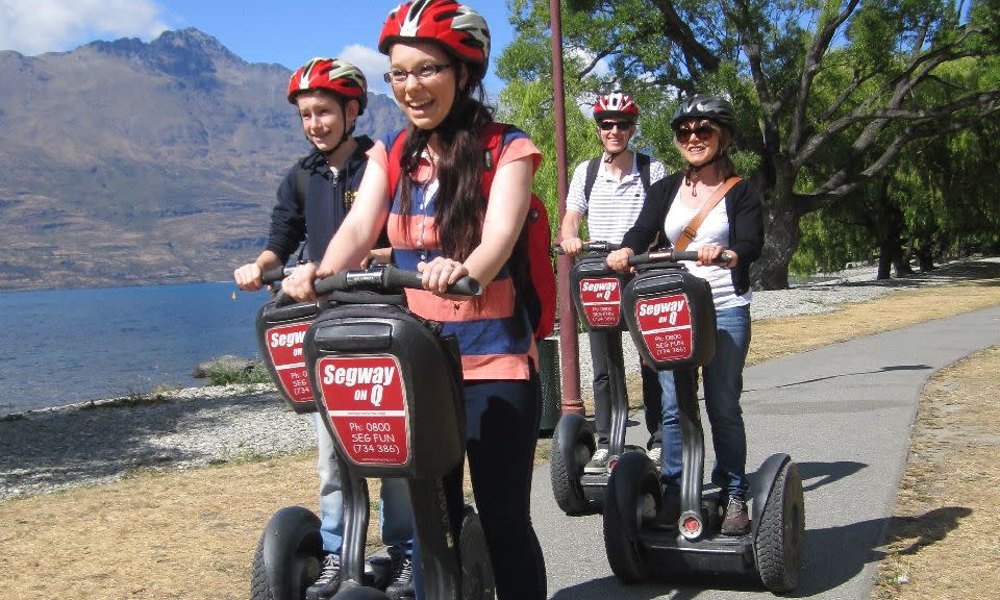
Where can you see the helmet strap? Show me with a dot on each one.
(610, 158)
(692, 169)
(348, 131)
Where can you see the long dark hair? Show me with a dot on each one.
(460, 205)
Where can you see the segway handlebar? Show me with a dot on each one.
(387, 278)
(658, 256)
(276, 274)
(595, 246)
(383, 278)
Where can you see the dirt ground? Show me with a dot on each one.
(191, 534)
(943, 541)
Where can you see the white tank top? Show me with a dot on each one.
(713, 230)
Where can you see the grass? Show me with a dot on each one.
(942, 541)
(190, 534)
(226, 375)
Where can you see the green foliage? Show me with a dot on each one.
(226, 375)
(828, 103)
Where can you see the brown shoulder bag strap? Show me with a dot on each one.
(689, 232)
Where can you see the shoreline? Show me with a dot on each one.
(57, 448)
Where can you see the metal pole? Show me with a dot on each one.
(569, 349)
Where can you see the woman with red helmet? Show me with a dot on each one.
(329, 95)
(442, 222)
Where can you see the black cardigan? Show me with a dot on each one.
(746, 227)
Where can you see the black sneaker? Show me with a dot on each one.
(598, 462)
(401, 586)
(329, 579)
(737, 520)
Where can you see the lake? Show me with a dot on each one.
(66, 346)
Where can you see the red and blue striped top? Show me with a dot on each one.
(493, 333)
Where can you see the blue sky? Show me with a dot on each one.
(256, 30)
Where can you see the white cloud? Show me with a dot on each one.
(36, 26)
(372, 63)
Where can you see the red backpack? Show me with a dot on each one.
(530, 262)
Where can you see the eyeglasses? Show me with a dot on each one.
(423, 73)
(703, 132)
(609, 125)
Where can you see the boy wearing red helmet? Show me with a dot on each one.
(313, 199)
(611, 199)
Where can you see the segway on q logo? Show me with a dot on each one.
(365, 401)
(601, 298)
(284, 345)
(665, 323)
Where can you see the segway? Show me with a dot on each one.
(360, 350)
(597, 295)
(671, 319)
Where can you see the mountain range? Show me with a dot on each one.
(133, 163)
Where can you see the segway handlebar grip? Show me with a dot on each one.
(334, 283)
(387, 279)
(594, 246)
(274, 274)
(672, 256)
(397, 278)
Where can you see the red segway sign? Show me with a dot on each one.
(601, 298)
(284, 344)
(665, 323)
(366, 404)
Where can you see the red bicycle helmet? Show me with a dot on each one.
(458, 27)
(336, 76)
(616, 104)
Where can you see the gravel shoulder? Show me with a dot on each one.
(96, 442)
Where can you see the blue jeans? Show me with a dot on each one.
(395, 515)
(723, 381)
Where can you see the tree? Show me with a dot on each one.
(830, 92)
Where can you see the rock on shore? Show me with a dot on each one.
(59, 448)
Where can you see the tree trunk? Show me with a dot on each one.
(902, 265)
(884, 263)
(925, 251)
(781, 233)
(925, 256)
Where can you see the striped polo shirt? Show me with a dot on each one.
(614, 205)
(495, 341)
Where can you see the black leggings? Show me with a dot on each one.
(502, 432)
(601, 343)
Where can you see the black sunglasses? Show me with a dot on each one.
(609, 125)
(704, 132)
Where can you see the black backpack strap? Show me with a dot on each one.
(299, 187)
(588, 183)
(643, 160)
(301, 183)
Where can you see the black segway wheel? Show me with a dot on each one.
(288, 556)
(477, 570)
(572, 446)
(781, 534)
(633, 495)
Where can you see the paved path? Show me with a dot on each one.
(844, 414)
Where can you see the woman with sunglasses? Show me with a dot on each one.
(703, 130)
(442, 223)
